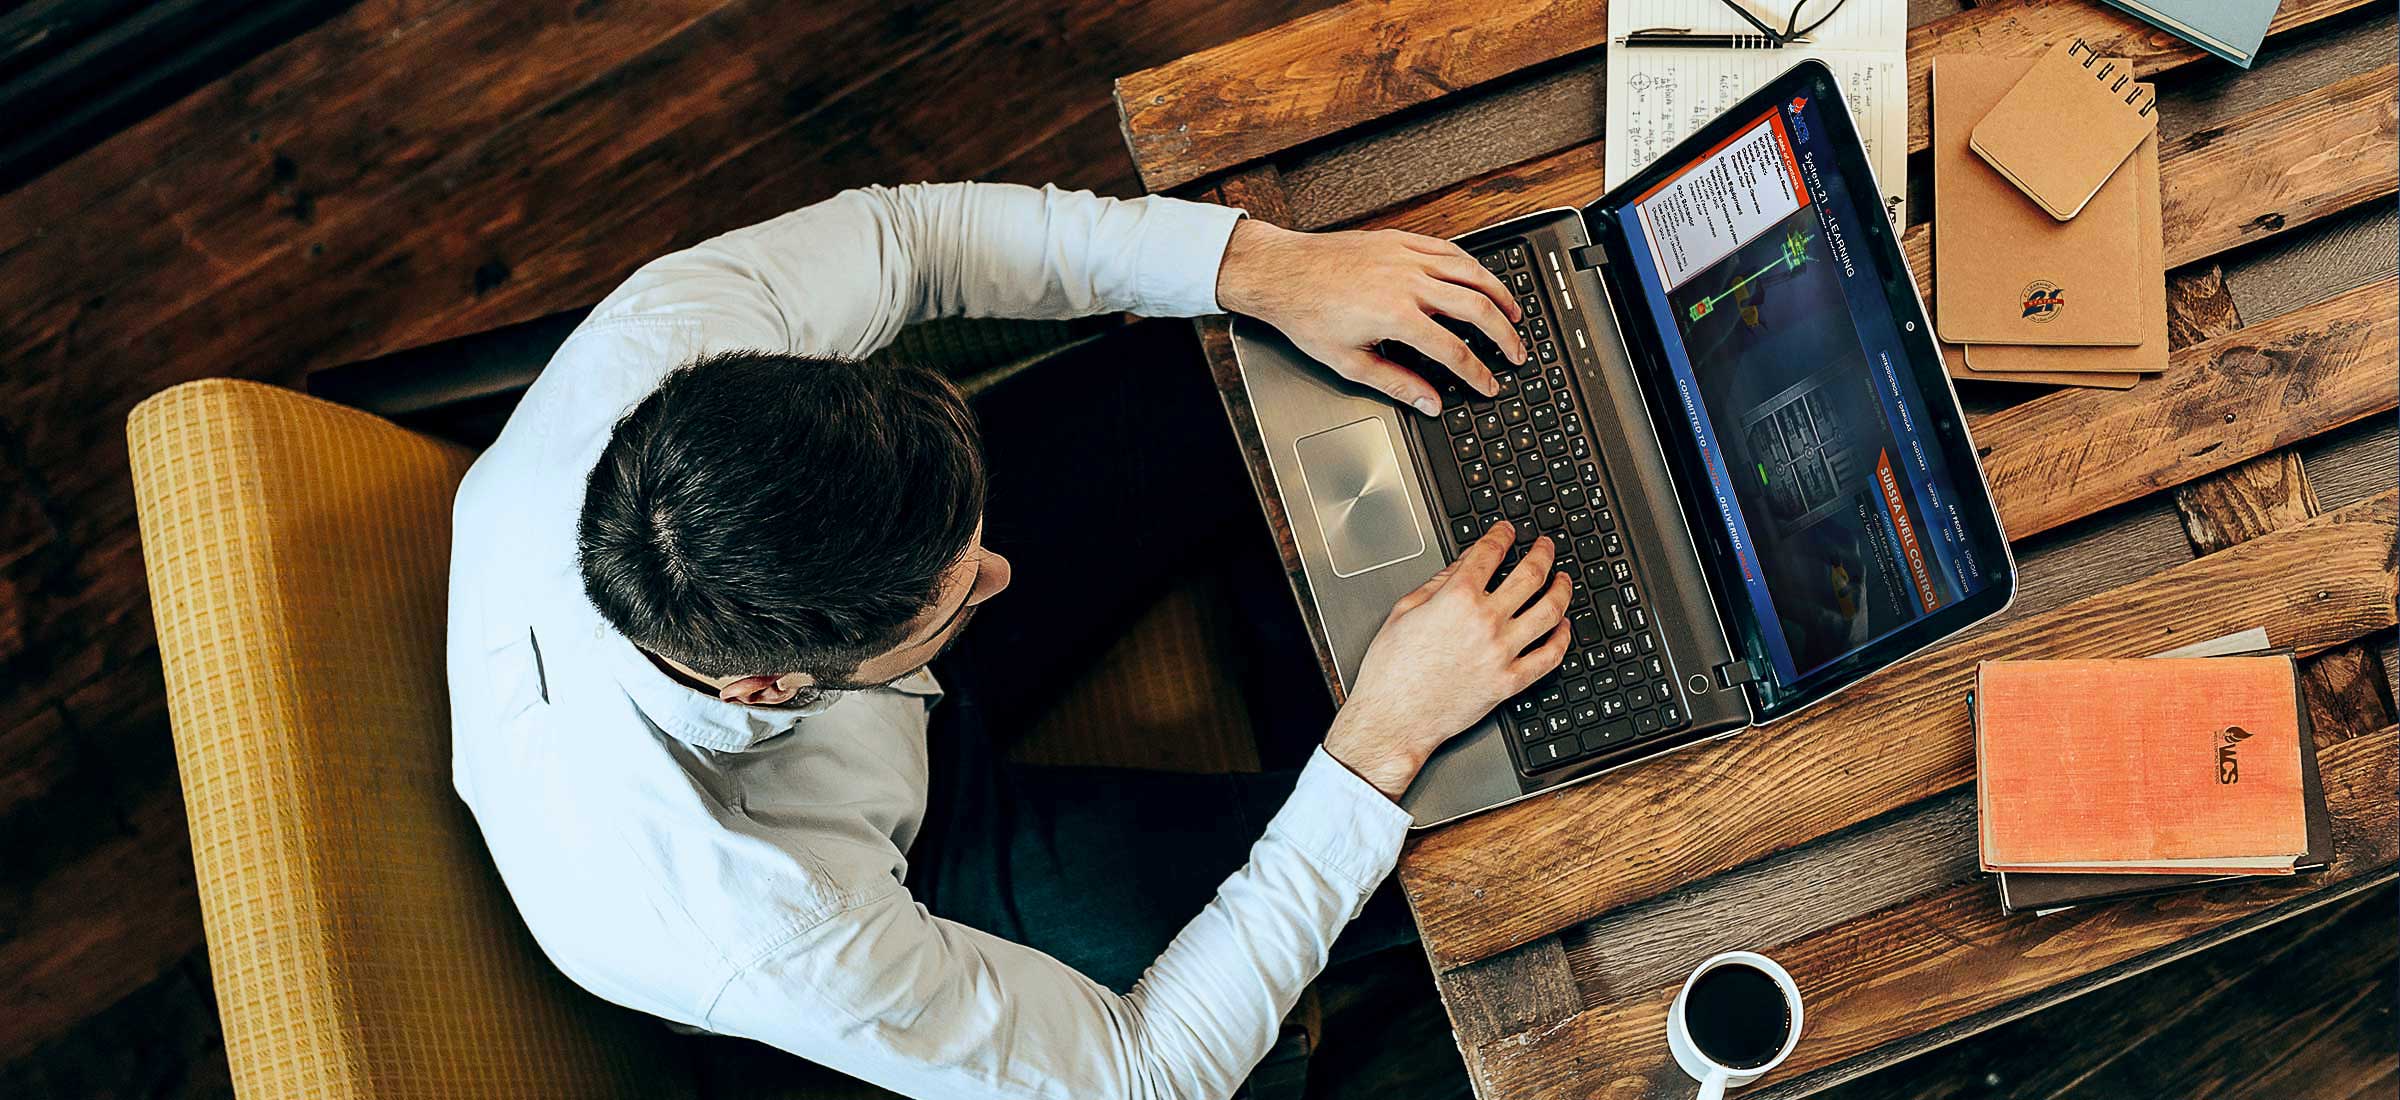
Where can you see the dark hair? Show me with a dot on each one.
(763, 513)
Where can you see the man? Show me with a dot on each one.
(698, 578)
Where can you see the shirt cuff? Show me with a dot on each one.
(1183, 243)
(1342, 822)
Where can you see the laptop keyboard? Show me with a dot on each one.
(1525, 456)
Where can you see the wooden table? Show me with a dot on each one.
(1842, 842)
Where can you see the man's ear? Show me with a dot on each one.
(761, 691)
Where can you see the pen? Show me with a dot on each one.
(1688, 40)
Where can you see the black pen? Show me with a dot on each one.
(1688, 40)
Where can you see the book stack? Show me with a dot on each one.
(2101, 780)
(2048, 255)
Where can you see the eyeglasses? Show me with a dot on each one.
(1792, 29)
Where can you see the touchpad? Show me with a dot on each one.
(1360, 497)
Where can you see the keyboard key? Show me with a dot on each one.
(1618, 571)
(1561, 470)
(1457, 419)
(1559, 723)
(1512, 411)
(1546, 351)
(1607, 734)
(1652, 665)
(1523, 707)
(1587, 629)
(1535, 391)
(1638, 695)
(1571, 497)
(1614, 618)
(1521, 282)
(1508, 382)
(1464, 530)
(1568, 422)
(1611, 706)
(1516, 255)
(1476, 473)
(1515, 505)
(1488, 425)
(1572, 664)
(1646, 722)
(1586, 715)
(1540, 327)
(1579, 690)
(1551, 752)
(1532, 306)
(1591, 478)
(1628, 595)
(1498, 453)
(1579, 522)
(1507, 479)
(1548, 517)
(1545, 418)
(1646, 643)
(1522, 438)
(1590, 548)
(1466, 448)
(1541, 490)
(1607, 521)
(1670, 716)
(1621, 649)
(1485, 499)
(1610, 543)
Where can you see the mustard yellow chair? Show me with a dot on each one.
(360, 942)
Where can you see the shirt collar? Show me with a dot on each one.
(708, 722)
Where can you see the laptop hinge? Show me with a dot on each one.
(1735, 674)
(1587, 257)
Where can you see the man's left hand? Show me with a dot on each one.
(1339, 295)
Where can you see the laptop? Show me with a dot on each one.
(1733, 424)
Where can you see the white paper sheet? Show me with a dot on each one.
(1657, 97)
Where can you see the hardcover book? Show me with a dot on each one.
(2150, 766)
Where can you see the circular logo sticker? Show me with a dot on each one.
(2043, 300)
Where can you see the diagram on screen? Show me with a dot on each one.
(1793, 255)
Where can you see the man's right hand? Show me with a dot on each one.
(1447, 655)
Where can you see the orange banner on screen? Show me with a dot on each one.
(1911, 551)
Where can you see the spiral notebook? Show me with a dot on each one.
(2068, 125)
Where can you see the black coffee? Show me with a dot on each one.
(1737, 1016)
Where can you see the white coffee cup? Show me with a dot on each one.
(1715, 1077)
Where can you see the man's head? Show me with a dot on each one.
(775, 525)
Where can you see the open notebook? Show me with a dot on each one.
(1657, 97)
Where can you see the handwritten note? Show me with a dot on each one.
(1657, 97)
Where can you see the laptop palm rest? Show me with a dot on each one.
(1358, 491)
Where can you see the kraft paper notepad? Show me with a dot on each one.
(2151, 353)
(2004, 271)
(2149, 766)
(2065, 127)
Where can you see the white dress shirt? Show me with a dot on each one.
(740, 870)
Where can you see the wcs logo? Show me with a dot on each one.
(2229, 768)
(1799, 125)
(2043, 300)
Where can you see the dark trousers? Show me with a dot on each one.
(1112, 470)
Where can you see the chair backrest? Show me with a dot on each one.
(360, 943)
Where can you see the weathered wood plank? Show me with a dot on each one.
(2250, 1018)
(2268, 385)
(1325, 73)
(1521, 872)
(2243, 502)
(1880, 987)
(1322, 73)
(1522, 989)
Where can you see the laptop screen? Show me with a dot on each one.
(1784, 354)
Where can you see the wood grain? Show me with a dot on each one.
(1231, 104)
(2071, 453)
(1881, 986)
(1515, 874)
(1322, 74)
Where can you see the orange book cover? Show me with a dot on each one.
(2140, 766)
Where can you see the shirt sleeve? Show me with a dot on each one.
(841, 277)
(926, 1007)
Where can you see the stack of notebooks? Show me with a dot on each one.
(2102, 780)
(2048, 261)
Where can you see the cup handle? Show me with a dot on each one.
(1713, 1086)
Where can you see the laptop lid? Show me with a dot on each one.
(1819, 450)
